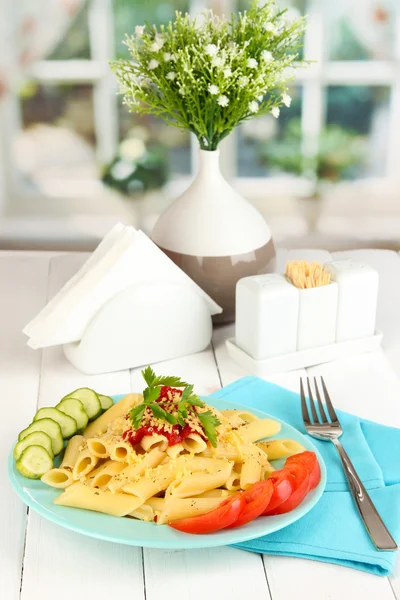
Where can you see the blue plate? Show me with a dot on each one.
(39, 497)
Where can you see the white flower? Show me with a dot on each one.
(252, 63)
(286, 99)
(153, 64)
(157, 45)
(223, 101)
(243, 81)
(266, 56)
(139, 30)
(228, 72)
(182, 92)
(145, 83)
(217, 61)
(211, 49)
(270, 28)
(171, 76)
(213, 89)
(253, 106)
(260, 98)
(167, 56)
(275, 112)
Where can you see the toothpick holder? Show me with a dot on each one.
(317, 316)
(145, 324)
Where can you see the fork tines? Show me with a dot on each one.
(304, 408)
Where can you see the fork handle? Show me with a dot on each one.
(376, 528)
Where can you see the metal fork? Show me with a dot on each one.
(330, 430)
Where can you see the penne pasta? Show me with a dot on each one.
(258, 430)
(275, 449)
(102, 476)
(198, 483)
(98, 447)
(223, 451)
(217, 493)
(233, 481)
(183, 508)
(251, 470)
(144, 513)
(58, 478)
(81, 495)
(175, 450)
(120, 451)
(75, 445)
(155, 481)
(85, 463)
(150, 460)
(235, 415)
(194, 443)
(119, 409)
(149, 442)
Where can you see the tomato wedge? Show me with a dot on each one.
(283, 484)
(227, 513)
(257, 498)
(301, 487)
(310, 461)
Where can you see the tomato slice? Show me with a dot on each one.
(227, 513)
(257, 498)
(310, 461)
(283, 483)
(301, 487)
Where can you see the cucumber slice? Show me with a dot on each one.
(90, 401)
(36, 438)
(34, 462)
(68, 425)
(50, 427)
(74, 408)
(105, 401)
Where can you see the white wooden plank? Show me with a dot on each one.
(53, 552)
(223, 573)
(298, 578)
(23, 294)
(395, 579)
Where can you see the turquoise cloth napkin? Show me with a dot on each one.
(333, 531)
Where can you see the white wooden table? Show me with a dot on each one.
(40, 561)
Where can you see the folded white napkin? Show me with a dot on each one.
(124, 258)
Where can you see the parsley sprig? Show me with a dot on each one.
(185, 405)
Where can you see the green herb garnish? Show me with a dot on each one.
(185, 405)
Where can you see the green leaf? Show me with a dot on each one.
(209, 423)
(136, 415)
(148, 375)
(195, 401)
(151, 394)
(169, 380)
(162, 414)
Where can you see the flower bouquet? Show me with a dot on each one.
(207, 75)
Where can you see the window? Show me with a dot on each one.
(66, 121)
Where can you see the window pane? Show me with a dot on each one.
(75, 41)
(360, 29)
(55, 149)
(360, 142)
(128, 14)
(174, 143)
(267, 146)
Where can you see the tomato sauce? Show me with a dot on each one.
(174, 436)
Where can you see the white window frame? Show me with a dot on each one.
(314, 81)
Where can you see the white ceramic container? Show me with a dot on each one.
(357, 301)
(317, 316)
(267, 309)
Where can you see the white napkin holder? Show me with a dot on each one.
(144, 324)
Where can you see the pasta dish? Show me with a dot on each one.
(167, 457)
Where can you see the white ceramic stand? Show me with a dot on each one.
(302, 358)
(145, 324)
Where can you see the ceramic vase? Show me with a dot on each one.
(215, 236)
